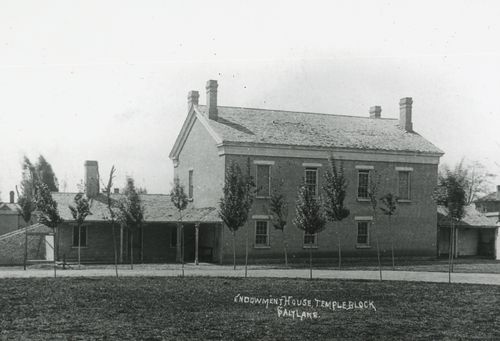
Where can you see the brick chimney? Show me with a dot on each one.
(11, 196)
(212, 99)
(91, 179)
(375, 111)
(405, 114)
(193, 97)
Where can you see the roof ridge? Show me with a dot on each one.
(302, 112)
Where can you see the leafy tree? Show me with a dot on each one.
(27, 205)
(180, 200)
(389, 205)
(335, 186)
(451, 194)
(48, 214)
(112, 214)
(235, 205)
(41, 172)
(372, 195)
(309, 216)
(279, 212)
(131, 214)
(79, 212)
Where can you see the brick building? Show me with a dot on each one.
(286, 147)
(10, 219)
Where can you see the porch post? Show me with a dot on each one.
(221, 226)
(497, 243)
(197, 234)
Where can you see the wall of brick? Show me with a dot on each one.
(414, 227)
(12, 248)
(200, 154)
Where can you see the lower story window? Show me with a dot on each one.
(310, 239)
(363, 233)
(261, 233)
(83, 236)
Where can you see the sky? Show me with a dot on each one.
(108, 80)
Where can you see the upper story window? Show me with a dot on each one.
(261, 233)
(404, 185)
(311, 180)
(263, 180)
(82, 236)
(363, 183)
(190, 184)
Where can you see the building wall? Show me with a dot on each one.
(488, 206)
(10, 222)
(413, 228)
(12, 247)
(200, 154)
(467, 242)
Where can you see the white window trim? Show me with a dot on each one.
(409, 186)
(368, 244)
(261, 246)
(256, 180)
(317, 177)
(86, 237)
(263, 162)
(310, 246)
(364, 167)
(404, 169)
(363, 218)
(312, 164)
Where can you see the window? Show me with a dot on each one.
(263, 180)
(83, 236)
(190, 184)
(311, 180)
(363, 236)
(261, 233)
(173, 237)
(404, 185)
(310, 239)
(363, 182)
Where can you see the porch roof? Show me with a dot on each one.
(158, 208)
(472, 218)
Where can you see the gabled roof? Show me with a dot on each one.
(262, 126)
(9, 209)
(158, 208)
(490, 197)
(472, 218)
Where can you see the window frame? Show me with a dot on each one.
(368, 173)
(190, 184)
(257, 165)
(409, 192)
(260, 245)
(316, 170)
(368, 227)
(313, 245)
(75, 235)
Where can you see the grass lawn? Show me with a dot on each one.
(204, 308)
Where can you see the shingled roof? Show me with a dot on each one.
(490, 197)
(472, 218)
(158, 208)
(246, 125)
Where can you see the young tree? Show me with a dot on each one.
(48, 214)
(335, 186)
(309, 216)
(389, 202)
(235, 205)
(279, 212)
(112, 214)
(131, 214)
(180, 200)
(79, 212)
(372, 194)
(451, 194)
(27, 205)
